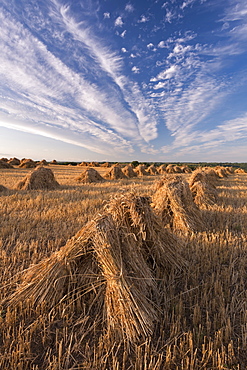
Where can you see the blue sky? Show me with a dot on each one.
(124, 80)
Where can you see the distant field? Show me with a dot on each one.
(201, 318)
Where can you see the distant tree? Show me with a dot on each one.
(134, 163)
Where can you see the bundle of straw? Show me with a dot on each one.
(152, 170)
(115, 173)
(204, 193)
(89, 176)
(141, 171)
(162, 169)
(186, 169)
(14, 161)
(128, 171)
(221, 172)
(4, 164)
(202, 185)
(239, 170)
(111, 267)
(173, 202)
(27, 163)
(41, 178)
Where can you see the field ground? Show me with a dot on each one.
(202, 320)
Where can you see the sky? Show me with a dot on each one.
(106, 80)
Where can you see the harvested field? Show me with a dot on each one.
(121, 291)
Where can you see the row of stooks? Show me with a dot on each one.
(115, 265)
(126, 171)
(42, 178)
(151, 170)
(23, 163)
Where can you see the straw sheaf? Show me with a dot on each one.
(14, 161)
(152, 170)
(221, 172)
(93, 164)
(230, 170)
(186, 169)
(162, 169)
(129, 310)
(105, 164)
(174, 203)
(27, 163)
(203, 186)
(90, 175)
(212, 176)
(159, 183)
(112, 265)
(53, 279)
(206, 175)
(115, 173)
(169, 168)
(135, 216)
(239, 170)
(172, 168)
(40, 179)
(43, 163)
(204, 193)
(141, 171)
(128, 171)
(4, 164)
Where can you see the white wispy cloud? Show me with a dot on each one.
(170, 15)
(232, 130)
(123, 33)
(160, 85)
(236, 11)
(107, 15)
(187, 3)
(185, 108)
(143, 19)
(179, 51)
(168, 73)
(129, 8)
(239, 32)
(119, 22)
(235, 20)
(110, 62)
(36, 84)
(220, 141)
(162, 44)
(42, 89)
(135, 69)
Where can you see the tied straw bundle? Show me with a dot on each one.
(112, 267)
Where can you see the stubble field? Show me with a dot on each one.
(200, 314)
